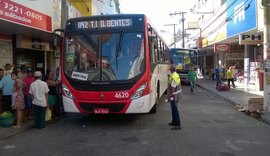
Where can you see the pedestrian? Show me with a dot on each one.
(8, 69)
(17, 99)
(39, 93)
(230, 77)
(217, 74)
(52, 84)
(192, 78)
(6, 85)
(28, 80)
(203, 72)
(173, 97)
(1, 73)
(213, 74)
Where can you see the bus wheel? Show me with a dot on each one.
(154, 108)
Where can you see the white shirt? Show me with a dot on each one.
(38, 89)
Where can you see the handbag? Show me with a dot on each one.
(48, 114)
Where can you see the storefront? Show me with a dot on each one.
(26, 35)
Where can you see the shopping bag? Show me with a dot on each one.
(180, 96)
(6, 119)
(48, 114)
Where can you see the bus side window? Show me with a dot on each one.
(152, 49)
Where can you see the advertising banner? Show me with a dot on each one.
(241, 15)
(19, 12)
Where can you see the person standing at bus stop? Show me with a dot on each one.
(39, 93)
(173, 97)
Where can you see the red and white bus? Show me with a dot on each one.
(112, 64)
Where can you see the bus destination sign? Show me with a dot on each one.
(112, 23)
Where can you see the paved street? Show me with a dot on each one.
(211, 127)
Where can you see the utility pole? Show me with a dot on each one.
(174, 34)
(266, 9)
(183, 24)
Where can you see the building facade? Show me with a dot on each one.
(232, 35)
(26, 31)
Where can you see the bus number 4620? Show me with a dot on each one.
(121, 95)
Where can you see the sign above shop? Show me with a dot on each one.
(241, 16)
(221, 48)
(250, 39)
(23, 15)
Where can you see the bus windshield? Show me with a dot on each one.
(104, 57)
(184, 59)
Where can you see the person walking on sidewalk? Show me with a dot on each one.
(39, 93)
(173, 97)
(230, 77)
(192, 78)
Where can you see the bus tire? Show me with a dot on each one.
(154, 108)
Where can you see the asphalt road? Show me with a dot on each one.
(210, 127)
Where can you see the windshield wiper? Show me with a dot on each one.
(118, 48)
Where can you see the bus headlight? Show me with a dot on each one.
(66, 91)
(139, 91)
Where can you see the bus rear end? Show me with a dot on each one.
(104, 65)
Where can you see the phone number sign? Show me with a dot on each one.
(16, 13)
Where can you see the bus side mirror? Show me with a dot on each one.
(57, 34)
(55, 41)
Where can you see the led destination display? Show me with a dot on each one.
(112, 23)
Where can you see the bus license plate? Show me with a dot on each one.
(101, 111)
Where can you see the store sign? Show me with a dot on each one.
(250, 39)
(17, 13)
(221, 48)
(241, 16)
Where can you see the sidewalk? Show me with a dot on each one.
(8, 132)
(236, 96)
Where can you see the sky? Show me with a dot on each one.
(158, 12)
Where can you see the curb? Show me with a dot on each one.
(10, 132)
(265, 118)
